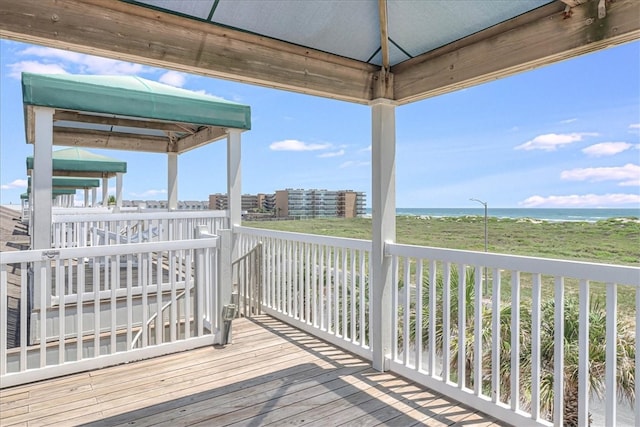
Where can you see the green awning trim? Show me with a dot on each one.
(71, 182)
(132, 96)
(78, 160)
(56, 191)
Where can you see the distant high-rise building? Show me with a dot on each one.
(319, 203)
(250, 202)
(218, 201)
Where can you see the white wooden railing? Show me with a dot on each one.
(80, 308)
(317, 283)
(505, 343)
(503, 348)
(500, 333)
(96, 229)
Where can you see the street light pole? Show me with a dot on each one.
(486, 235)
(486, 241)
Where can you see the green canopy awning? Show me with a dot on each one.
(79, 162)
(132, 96)
(56, 191)
(71, 182)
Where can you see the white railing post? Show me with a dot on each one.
(225, 281)
(611, 399)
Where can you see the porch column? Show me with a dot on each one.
(41, 191)
(86, 197)
(118, 192)
(383, 204)
(94, 197)
(234, 177)
(105, 191)
(172, 184)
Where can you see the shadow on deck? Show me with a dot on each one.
(272, 374)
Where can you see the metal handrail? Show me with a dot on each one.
(244, 290)
(136, 338)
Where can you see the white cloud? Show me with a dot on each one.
(173, 78)
(354, 164)
(18, 68)
(582, 201)
(84, 64)
(634, 126)
(606, 149)
(567, 121)
(96, 65)
(332, 154)
(368, 148)
(16, 183)
(627, 175)
(48, 52)
(551, 141)
(295, 145)
(149, 193)
(204, 92)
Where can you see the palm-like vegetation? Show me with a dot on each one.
(626, 346)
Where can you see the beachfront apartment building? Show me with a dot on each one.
(314, 203)
(299, 203)
(250, 202)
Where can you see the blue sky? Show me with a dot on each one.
(565, 135)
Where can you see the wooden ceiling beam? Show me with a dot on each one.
(519, 45)
(73, 116)
(200, 138)
(125, 31)
(122, 30)
(74, 137)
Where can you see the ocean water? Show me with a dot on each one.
(556, 214)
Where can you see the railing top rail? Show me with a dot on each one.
(108, 250)
(621, 274)
(357, 244)
(132, 216)
(256, 249)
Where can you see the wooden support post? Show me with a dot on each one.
(42, 177)
(383, 203)
(118, 192)
(105, 192)
(234, 177)
(172, 184)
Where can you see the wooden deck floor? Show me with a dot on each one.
(273, 374)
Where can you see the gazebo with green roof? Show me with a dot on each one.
(124, 113)
(78, 166)
(71, 183)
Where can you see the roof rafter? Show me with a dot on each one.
(125, 31)
(73, 116)
(74, 137)
(542, 37)
(202, 137)
(384, 33)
